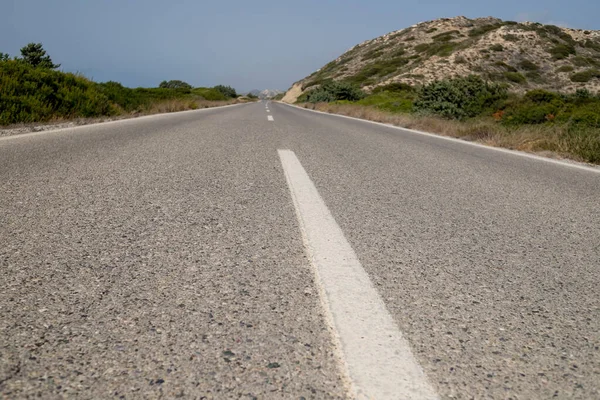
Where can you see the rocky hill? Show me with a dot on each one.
(523, 55)
(266, 94)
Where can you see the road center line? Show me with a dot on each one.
(374, 354)
(270, 118)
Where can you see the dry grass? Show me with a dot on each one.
(543, 140)
(176, 105)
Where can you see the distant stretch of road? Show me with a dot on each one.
(264, 251)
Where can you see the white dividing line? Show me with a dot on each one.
(375, 356)
(270, 118)
(570, 164)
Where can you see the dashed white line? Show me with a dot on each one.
(270, 118)
(375, 356)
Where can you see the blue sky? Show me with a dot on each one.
(246, 44)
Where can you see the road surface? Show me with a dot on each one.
(263, 251)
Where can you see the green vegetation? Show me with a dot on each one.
(565, 68)
(175, 85)
(334, 91)
(505, 66)
(32, 90)
(497, 47)
(442, 49)
(514, 77)
(585, 62)
(472, 107)
(585, 76)
(528, 66)
(226, 91)
(482, 30)
(445, 37)
(370, 73)
(459, 98)
(562, 51)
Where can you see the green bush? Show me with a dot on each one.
(514, 77)
(29, 94)
(511, 38)
(482, 30)
(562, 51)
(496, 47)
(446, 36)
(534, 76)
(442, 49)
(210, 94)
(585, 76)
(334, 91)
(32, 91)
(540, 96)
(535, 107)
(528, 66)
(371, 72)
(565, 68)
(227, 91)
(460, 98)
(176, 84)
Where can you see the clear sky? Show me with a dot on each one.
(246, 44)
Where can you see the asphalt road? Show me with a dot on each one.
(163, 257)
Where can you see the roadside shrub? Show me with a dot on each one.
(460, 98)
(210, 94)
(334, 91)
(584, 142)
(227, 91)
(29, 94)
(496, 47)
(175, 84)
(536, 107)
(540, 96)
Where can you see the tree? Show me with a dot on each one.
(227, 91)
(175, 84)
(4, 56)
(35, 55)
